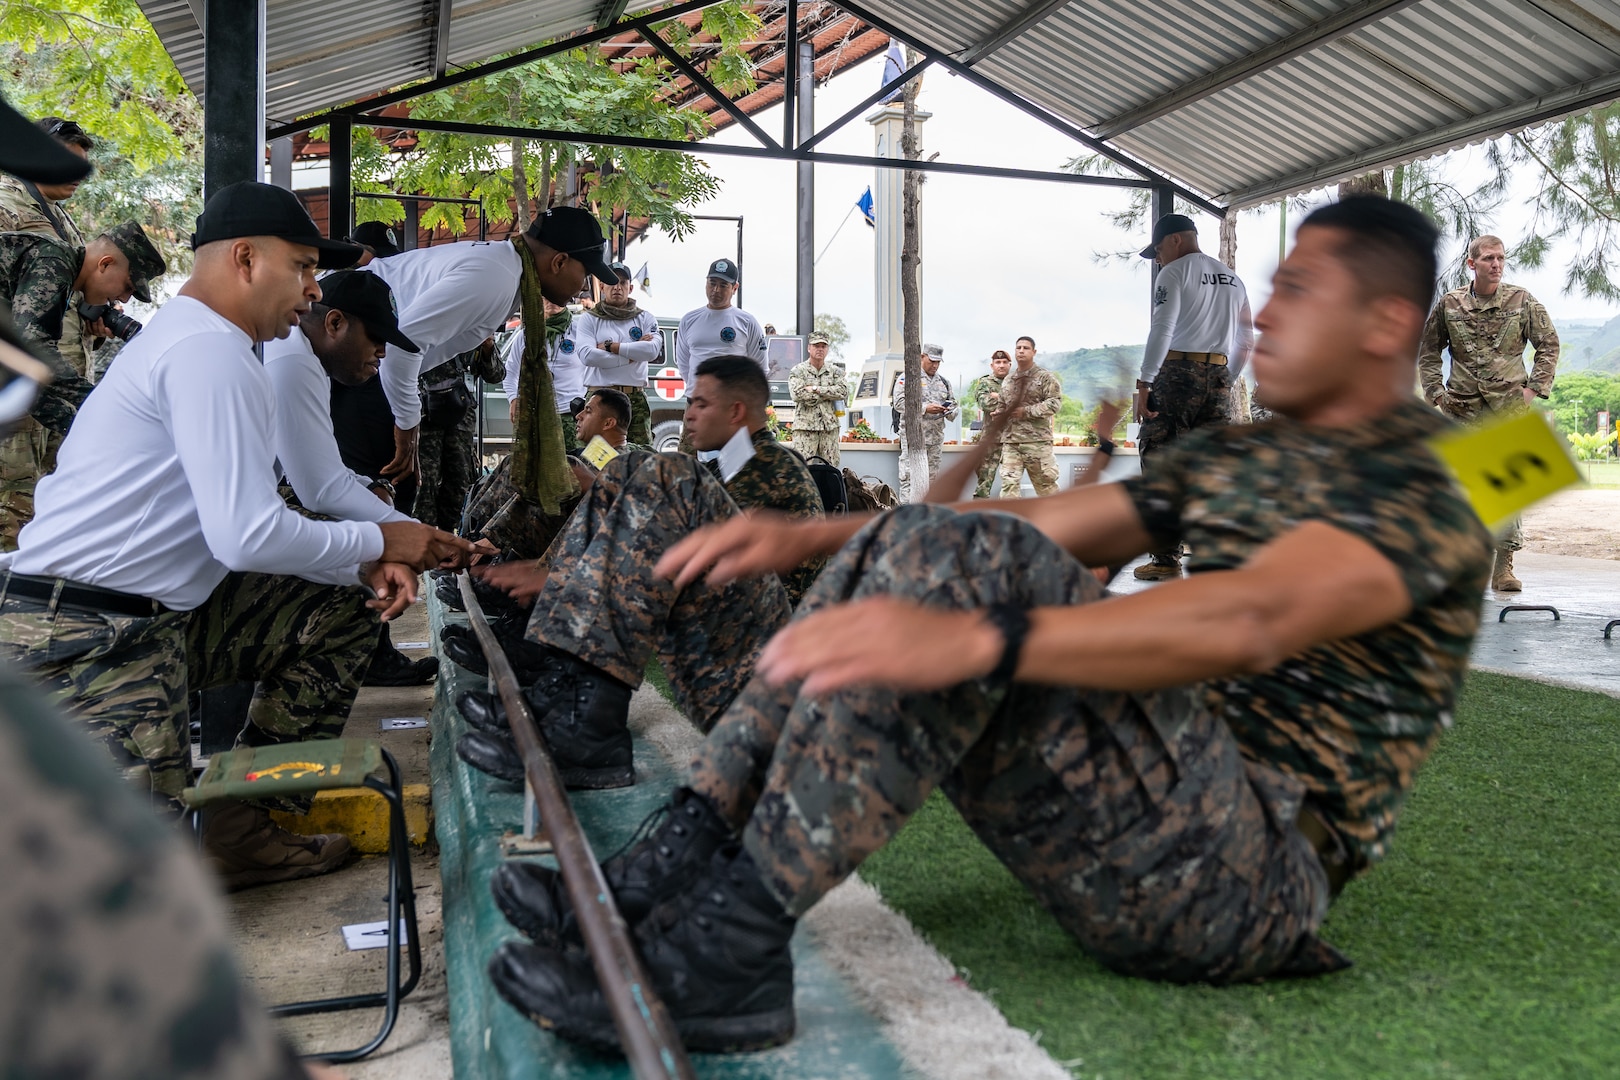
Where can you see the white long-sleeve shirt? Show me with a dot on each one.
(640, 344)
(168, 482)
(1198, 306)
(303, 439)
(567, 373)
(450, 297)
(705, 332)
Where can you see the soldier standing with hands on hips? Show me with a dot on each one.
(1201, 337)
(1487, 325)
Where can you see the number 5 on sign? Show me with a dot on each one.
(1508, 465)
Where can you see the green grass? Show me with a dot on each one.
(1486, 945)
(1601, 474)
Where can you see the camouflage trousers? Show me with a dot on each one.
(27, 453)
(127, 679)
(1132, 817)
(985, 488)
(822, 444)
(1478, 411)
(1038, 458)
(604, 604)
(498, 513)
(640, 431)
(119, 958)
(447, 458)
(1186, 395)
(933, 445)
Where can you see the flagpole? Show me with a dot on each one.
(836, 231)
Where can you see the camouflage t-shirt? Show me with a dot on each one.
(775, 479)
(1352, 719)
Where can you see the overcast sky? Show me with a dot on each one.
(1000, 257)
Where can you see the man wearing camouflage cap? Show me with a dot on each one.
(819, 392)
(938, 406)
(38, 276)
(1486, 326)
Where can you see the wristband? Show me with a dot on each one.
(1105, 446)
(1013, 623)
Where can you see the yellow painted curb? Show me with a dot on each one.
(362, 815)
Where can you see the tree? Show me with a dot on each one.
(1578, 396)
(833, 329)
(910, 288)
(579, 90)
(99, 63)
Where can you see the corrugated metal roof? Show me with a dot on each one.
(1269, 97)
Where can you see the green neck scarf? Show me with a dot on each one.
(540, 469)
(612, 313)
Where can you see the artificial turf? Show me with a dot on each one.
(1486, 945)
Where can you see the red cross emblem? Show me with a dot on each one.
(667, 381)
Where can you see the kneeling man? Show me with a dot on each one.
(163, 560)
(1185, 777)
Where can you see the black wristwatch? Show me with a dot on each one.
(1013, 623)
(386, 484)
(1105, 446)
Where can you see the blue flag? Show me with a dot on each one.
(868, 211)
(894, 65)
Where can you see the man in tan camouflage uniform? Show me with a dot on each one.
(39, 276)
(1486, 326)
(819, 392)
(1027, 442)
(986, 393)
(604, 613)
(1184, 777)
(938, 406)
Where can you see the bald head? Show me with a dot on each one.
(263, 284)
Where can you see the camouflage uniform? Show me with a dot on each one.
(604, 604)
(1487, 338)
(448, 455)
(1027, 443)
(127, 678)
(817, 397)
(118, 961)
(496, 512)
(20, 213)
(986, 393)
(1158, 827)
(36, 276)
(1186, 395)
(935, 391)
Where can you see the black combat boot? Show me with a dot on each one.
(583, 714)
(718, 954)
(390, 667)
(672, 846)
(461, 646)
(493, 600)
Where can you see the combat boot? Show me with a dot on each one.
(1159, 569)
(583, 714)
(461, 646)
(1502, 579)
(245, 847)
(494, 601)
(718, 954)
(390, 667)
(671, 848)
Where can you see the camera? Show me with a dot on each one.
(121, 326)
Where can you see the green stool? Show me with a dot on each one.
(252, 773)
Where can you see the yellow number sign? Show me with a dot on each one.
(1507, 465)
(599, 453)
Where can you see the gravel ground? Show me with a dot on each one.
(1584, 522)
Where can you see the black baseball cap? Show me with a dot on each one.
(575, 232)
(378, 236)
(368, 298)
(726, 270)
(28, 152)
(249, 208)
(1168, 225)
(621, 271)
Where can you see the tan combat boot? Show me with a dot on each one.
(1502, 579)
(245, 848)
(1158, 569)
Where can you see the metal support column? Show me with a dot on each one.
(340, 183)
(281, 155)
(807, 190)
(1164, 202)
(413, 225)
(233, 102)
